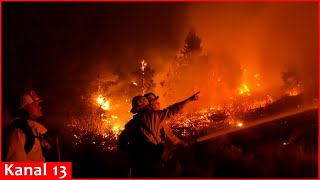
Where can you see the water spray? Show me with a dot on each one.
(259, 122)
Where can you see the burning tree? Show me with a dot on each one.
(90, 121)
(142, 80)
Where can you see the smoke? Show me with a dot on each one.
(264, 39)
(240, 41)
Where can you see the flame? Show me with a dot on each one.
(114, 117)
(240, 124)
(116, 129)
(294, 91)
(104, 104)
(100, 99)
(243, 89)
(143, 65)
(231, 114)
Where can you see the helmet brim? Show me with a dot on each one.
(155, 99)
(137, 109)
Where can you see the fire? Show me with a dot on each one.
(234, 122)
(294, 91)
(104, 104)
(100, 99)
(231, 114)
(240, 124)
(252, 80)
(143, 65)
(112, 124)
(219, 117)
(243, 89)
(116, 129)
(114, 117)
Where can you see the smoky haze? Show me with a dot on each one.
(64, 49)
(268, 39)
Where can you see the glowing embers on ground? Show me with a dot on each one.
(196, 124)
(220, 117)
(294, 91)
(96, 126)
(242, 105)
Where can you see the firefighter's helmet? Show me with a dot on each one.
(28, 98)
(138, 103)
(151, 97)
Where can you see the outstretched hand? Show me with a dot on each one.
(194, 97)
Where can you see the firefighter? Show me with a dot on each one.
(166, 135)
(171, 143)
(142, 140)
(23, 140)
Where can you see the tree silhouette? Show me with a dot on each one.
(190, 51)
(192, 43)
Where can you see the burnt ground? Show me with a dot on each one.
(258, 152)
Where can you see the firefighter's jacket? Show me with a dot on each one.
(16, 140)
(156, 129)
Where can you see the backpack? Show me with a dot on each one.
(23, 125)
(130, 136)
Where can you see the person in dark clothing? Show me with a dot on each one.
(142, 140)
